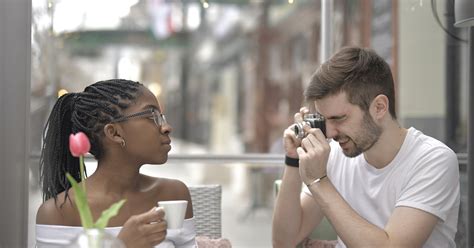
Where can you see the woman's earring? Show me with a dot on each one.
(122, 143)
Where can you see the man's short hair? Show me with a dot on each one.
(359, 72)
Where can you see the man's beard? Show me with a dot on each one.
(370, 134)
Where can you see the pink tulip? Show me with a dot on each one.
(79, 144)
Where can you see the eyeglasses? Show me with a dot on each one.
(157, 117)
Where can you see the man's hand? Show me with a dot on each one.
(294, 217)
(290, 141)
(144, 230)
(313, 155)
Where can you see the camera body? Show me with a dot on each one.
(312, 120)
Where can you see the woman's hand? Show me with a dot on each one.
(144, 230)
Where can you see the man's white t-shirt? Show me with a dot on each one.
(423, 175)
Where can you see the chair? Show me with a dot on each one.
(207, 209)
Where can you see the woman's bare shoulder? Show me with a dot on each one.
(56, 212)
(173, 189)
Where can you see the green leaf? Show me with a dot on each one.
(109, 213)
(81, 203)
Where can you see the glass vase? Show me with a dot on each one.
(96, 238)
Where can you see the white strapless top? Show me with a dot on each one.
(55, 235)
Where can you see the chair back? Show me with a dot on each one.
(207, 209)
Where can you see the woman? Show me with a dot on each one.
(127, 129)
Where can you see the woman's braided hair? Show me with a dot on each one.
(87, 112)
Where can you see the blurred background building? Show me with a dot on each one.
(231, 74)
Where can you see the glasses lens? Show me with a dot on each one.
(163, 119)
(159, 118)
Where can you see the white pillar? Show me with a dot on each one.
(326, 29)
(15, 52)
(470, 144)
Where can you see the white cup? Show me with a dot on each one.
(174, 212)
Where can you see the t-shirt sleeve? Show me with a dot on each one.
(433, 184)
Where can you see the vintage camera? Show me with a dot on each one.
(312, 120)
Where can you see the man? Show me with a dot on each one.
(380, 185)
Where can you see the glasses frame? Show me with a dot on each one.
(157, 117)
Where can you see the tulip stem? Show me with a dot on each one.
(81, 166)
